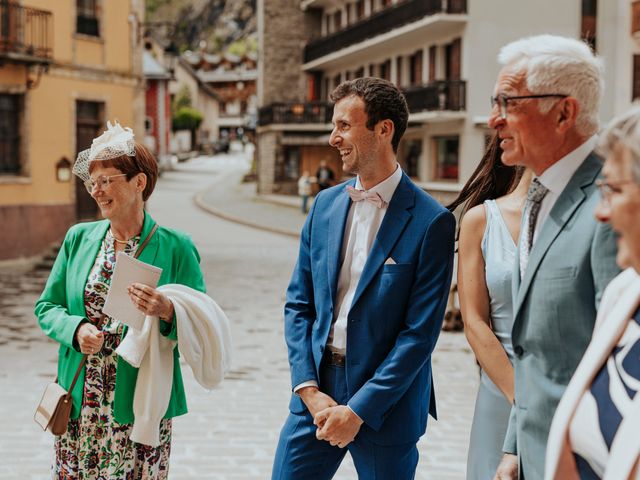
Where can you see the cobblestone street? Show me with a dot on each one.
(231, 432)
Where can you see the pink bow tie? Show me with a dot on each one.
(360, 195)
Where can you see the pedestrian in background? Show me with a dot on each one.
(304, 189)
(594, 433)
(120, 175)
(545, 111)
(490, 225)
(324, 176)
(365, 303)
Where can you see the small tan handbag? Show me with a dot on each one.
(54, 409)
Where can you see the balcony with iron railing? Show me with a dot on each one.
(436, 96)
(296, 113)
(439, 95)
(381, 22)
(26, 34)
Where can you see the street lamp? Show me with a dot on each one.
(170, 56)
(63, 170)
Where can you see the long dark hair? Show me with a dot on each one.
(491, 179)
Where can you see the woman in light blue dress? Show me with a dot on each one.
(490, 224)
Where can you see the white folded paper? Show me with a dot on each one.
(118, 304)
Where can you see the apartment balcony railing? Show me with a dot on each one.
(26, 34)
(381, 22)
(437, 95)
(292, 113)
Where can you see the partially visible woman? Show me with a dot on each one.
(595, 430)
(120, 175)
(489, 230)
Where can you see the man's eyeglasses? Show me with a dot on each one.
(609, 188)
(503, 100)
(103, 181)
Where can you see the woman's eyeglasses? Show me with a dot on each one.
(609, 188)
(103, 181)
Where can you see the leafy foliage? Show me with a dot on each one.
(187, 118)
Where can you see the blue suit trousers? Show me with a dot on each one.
(301, 456)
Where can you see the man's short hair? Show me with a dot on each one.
(554, 64)
(382, 101)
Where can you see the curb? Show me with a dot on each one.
(200, 203)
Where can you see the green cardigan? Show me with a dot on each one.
(60, 309)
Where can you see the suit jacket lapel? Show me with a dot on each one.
(392, 226)
(570, 199)
(335, 236)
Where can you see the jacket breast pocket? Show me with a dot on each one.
(396, 268)
(557, 273)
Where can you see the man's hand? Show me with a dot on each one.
(315, 400)
(337, 425)
(508, 468)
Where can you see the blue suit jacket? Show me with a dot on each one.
(395, 316)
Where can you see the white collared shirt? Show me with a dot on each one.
(360, 231)
(556, 179)
(361, 228)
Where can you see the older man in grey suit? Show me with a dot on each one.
(545, 110)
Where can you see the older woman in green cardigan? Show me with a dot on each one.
(120, 175)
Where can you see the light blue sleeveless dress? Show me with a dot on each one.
(492, 409)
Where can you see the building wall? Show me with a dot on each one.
(267, 149)
(36, 209)
(487, 26)
(283, 28)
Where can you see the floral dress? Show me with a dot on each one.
(95, 446)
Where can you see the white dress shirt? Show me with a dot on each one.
(556, 179)
(360, 231)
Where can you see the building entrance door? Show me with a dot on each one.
(89, 123)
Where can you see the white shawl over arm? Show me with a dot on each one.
(204, 340)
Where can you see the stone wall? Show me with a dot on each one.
(268, 143)
(33, 228)
(284, 30)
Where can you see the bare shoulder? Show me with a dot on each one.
(474, 222)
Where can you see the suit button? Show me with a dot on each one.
(518, 350)
(322, 349)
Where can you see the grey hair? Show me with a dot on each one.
(624, 130)
(554, 64)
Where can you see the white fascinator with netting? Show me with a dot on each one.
(114, 142)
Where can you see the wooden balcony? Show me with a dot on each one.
(296, 113)
(380, 22)
(438, 95)
(26, 34)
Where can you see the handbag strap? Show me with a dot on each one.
(102, 316)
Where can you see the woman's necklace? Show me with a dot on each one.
(123, 242)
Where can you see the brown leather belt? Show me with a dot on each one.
(334, 358)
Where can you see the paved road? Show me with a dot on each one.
(231, 432)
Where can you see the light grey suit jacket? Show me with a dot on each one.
(570, 264)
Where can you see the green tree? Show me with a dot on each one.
(182, 99)
(188, 118)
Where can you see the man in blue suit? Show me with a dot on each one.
(365, 303)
